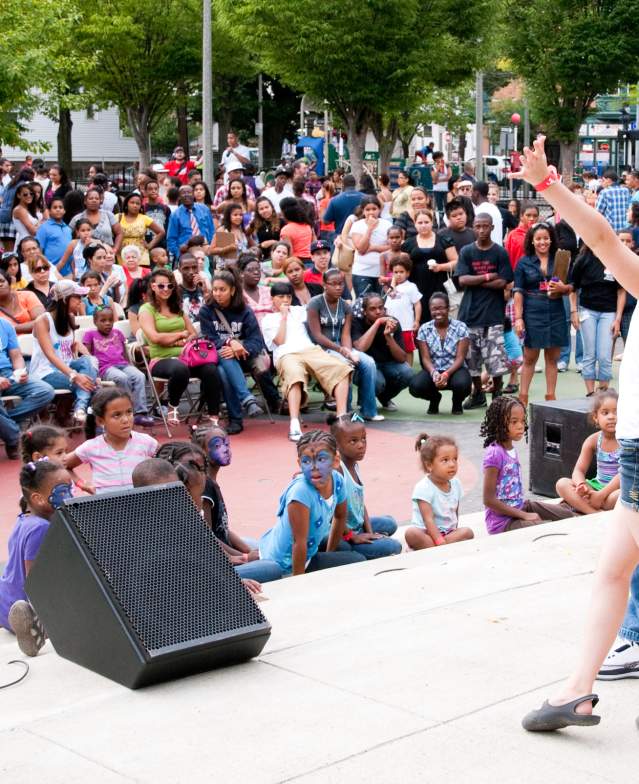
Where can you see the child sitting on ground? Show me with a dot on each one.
(394, 253)
(506, 508)
(369, 536)
(115, 453)
(312, 508)
(45, 486)
(436, 497)
(592, 495)
(94, 300)
(244, 555)
(108, 346)
(403, 301)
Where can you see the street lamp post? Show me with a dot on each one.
(207, 93)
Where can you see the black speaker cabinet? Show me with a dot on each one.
(134, 586)
(558, 429)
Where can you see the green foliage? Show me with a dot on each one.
(569, 51)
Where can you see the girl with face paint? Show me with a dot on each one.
(312, 512)
(45, 486)
(244, 555)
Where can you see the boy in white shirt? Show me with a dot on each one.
(403, 301)
(297, 358)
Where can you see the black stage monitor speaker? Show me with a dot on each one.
(558, 429)
(134, 586)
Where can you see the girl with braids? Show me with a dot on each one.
(506, 509)
(115, 453)
(47, 442)
(436, 497)
(231, 325)
(312, 508)
(215, 444)
(45, 486)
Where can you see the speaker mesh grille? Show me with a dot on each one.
(165, 568)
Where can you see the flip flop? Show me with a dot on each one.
(556, 717)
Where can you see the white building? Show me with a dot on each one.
(96, 138)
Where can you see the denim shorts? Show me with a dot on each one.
(629, 471)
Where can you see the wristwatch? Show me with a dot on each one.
(72, 376)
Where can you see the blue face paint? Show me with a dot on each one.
(219, 450)
(60, 494)
(322, 462)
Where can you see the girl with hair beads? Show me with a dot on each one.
(312, 508)
(592, 495)
(47, 442)
(506, 508)
(115, 453)
(369, 536)
(215, 443)
(45, 486)
(436, 497)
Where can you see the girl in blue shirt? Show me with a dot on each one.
(312, 509)
(54, 236)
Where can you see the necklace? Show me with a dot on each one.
(335, 319)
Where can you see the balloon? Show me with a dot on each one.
(515, 118)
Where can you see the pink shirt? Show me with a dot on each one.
(107, 349)
(111, 468)
(263, 306)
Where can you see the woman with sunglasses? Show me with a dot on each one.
(19, 308)
(167, 330)
(24, 213)
(539, 308)
(40, 283)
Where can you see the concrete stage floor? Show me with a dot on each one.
(415, 669)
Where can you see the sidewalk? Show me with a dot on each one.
(415, 669)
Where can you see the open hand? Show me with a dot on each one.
(535, 166)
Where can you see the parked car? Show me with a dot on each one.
(496, 168)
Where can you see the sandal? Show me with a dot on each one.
(555, 717)
(173, 417)
(29, 631)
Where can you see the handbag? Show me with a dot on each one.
(454, 296)
(198, 351)
(260, 363)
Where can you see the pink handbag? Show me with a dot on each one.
(198, 351)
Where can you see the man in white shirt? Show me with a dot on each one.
(281, 189)
(481, 204)
(297, 358)
(235, 153)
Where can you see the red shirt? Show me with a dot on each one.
(514, 244)
(180, 169)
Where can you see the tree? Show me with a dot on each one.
(568, 52)
(143, 57)
(362, 58)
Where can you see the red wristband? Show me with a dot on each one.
(551, 179)
(487, 276)
(348, 536)
(438, 542)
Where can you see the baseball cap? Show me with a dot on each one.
(319, 245)
(233, 166)
(67, 288)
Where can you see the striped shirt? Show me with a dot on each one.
(112, 469)
(613, 203)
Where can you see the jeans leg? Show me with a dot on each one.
(85, 366)
(236, 376)
(589, 336)
(380, 548)
(332, 559)
(9, 430)
(230, 393)
(380, 386)
(263, 571)
(365, 285)
(603, 349)
(565, 351)
(133, 381)
(365, 378)
(398, 376)
(383, 524)
(630, 626)
(35, 396)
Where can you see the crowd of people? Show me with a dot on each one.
(292, 281)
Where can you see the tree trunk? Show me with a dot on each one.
(65, 148)
(357, 124)
(182, 121)
(386, 134)
(567, 154)
(462, 146)
(140, 126)
(405, 142)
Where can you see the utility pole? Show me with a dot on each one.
(526, 139)
(479, 125)
(207, 93)
(259, 128)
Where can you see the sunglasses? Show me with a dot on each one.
(162, 286)
(41, 269)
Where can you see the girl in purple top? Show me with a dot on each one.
(506, 508)
(45, 486)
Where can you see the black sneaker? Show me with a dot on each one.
(234, 427)
(475, 401)
(457, 411)
(251, 407)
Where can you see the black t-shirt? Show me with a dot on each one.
(265, 233)
(313, 288)
(457, 238)
(378, 350)
(159, 213)
(219, 516)
(426, 281)
(481, 306)
(192, 301)
(597, 287)
(331, 319)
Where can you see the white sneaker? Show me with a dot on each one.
(562, 367)
(391, 406)
(376, 418)
(621, 662)
(294, 435)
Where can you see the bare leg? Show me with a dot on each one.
(610, 502)
(531, 355)
(566, 489)
(551, 356)
(340, 393)
(590, 385)
(459, 535)
(418, 539)
(618, 559)
(294, 398)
